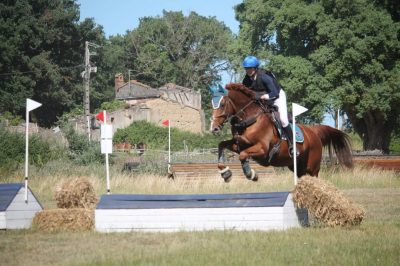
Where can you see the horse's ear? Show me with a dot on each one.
(217, 89)
(222, 89)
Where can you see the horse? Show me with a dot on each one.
(255, 135)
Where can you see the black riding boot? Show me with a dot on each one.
(289, 136)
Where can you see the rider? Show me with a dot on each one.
(268, 89)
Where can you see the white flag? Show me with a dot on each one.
(298, 109)
(31, 104)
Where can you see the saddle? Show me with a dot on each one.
(273, 110)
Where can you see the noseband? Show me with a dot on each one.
(228, 117)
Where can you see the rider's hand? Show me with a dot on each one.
(264, 97)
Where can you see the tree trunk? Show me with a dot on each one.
(373, 128)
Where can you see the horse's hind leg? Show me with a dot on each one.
(244, 156)
(248, 172)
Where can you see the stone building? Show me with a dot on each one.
(182, 106)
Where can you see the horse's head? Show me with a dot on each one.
(227, 103)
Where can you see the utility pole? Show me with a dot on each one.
(129, 79)
(86, 77)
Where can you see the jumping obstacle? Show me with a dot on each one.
(209, 171)
(170, 213)
(15, 213)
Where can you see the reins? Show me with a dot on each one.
(229, 117)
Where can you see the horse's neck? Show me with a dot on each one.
(242, 103)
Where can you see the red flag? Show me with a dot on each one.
(166, 122)
(100, 116)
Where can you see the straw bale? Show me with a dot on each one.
(76, 193)
(326, 203)
(78, 219)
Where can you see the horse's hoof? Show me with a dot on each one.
(253, 175)
(227, 176)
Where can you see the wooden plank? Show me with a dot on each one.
(176, 215)
(199, 211)
(208, 171)
(171, 230)
(223, 225)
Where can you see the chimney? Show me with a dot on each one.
(119, 81)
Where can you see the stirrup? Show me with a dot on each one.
(290, 151)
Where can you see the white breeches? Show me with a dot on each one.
(282, 108)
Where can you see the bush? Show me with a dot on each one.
(395, 145)
(156, 137)
(13, 120)
(112, 106)
(12, 149)
(80, 150)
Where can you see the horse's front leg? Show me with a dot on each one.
(256, 150)
(224, 170)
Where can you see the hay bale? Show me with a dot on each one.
(64, 220)
(76, 193)
(327, 203)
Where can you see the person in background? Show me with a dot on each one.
(268, 89)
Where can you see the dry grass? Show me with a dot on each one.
(77, 219)
(42, 181)
(374, 242)
(76, 193)
(327, 203)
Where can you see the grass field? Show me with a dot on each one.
(375, 242)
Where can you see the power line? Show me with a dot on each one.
(37, 71)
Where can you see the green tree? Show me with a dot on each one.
(41, 56)
(186, 50)
(332, 54)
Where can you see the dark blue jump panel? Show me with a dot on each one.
(141, 201)
(7, 194)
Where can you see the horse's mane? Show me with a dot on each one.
(241, 88)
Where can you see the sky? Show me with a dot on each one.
(118, 16)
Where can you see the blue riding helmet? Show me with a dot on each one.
(251, 61)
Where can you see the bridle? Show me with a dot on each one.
(229, 117)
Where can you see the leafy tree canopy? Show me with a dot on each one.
(186, 50)
(41, 55)
(332, 54)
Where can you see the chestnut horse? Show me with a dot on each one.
(254, 135)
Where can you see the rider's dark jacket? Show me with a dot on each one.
(263, 84)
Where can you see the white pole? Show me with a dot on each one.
(26, 153)
(88, 126)
(169, 145)
(30, 105)
(294, 150)
(107, 164)
(296, 110)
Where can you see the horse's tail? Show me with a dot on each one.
(338, 140)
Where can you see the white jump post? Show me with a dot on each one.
(30, 105)
(168, 123)
(296, 110)
(106, 146)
